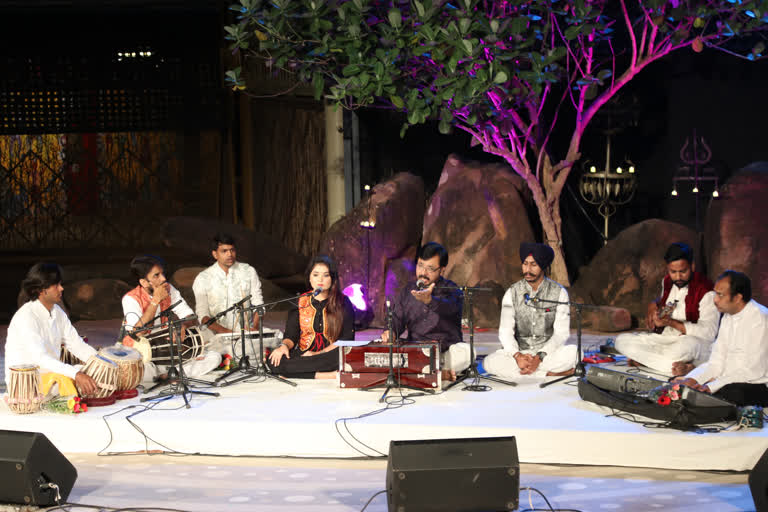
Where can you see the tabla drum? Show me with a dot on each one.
(130, 369)
(68, 357)
(23, 395)
(155, 347)
(106, 374)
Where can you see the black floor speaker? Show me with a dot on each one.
(28, 463)
(758, 483)
(453, 475)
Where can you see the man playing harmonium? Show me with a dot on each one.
(532, 330)
(40, 327)
(681, 335)
(152, 296)
(430, 309)
(737, 369)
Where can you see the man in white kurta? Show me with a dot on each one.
(737, 369)
(143, 304)
(532, 330)
(687, 333)
(221, 285)
(40, 327)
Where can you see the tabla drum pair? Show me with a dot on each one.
(155, 347)
(130, 369)
(23, 395)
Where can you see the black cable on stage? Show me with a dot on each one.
(371, 499)
(68, 507)
(549, 505)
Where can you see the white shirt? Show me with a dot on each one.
(35, 336)
(709, 316)
(216, 290)
(740, 353)
(132, 311)
(561, 327)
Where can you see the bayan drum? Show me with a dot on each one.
(155, 347)
(106, 375)
(23, 396)
(130, 368)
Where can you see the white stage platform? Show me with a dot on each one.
(552, 425)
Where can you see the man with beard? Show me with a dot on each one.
(681, 339)
(430, 309)
(222, 284)
(153, 295)
(737, 369)
(533, 332)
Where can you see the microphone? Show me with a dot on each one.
(526, 298)
(317, 292)
(122, 332)
(420, 284)
(169, 308)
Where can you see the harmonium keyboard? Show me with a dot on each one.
(414, 364)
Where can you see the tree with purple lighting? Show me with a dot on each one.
(504, 71)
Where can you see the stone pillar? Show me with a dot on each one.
(334, 163)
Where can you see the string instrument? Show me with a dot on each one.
(664, 312)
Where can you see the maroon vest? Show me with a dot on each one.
(698, 286)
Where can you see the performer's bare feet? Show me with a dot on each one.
(632, 362)
(561, 374)
(449, 375)
(326, 375)
(681, 368)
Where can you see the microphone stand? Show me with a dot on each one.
(471, 372)
(578, 370)
(244, 366)
(178, 382)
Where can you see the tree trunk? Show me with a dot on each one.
(552, 227)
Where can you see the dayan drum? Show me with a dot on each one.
(106, 374)
(414, 364)
(130, 369)
(155, 347)
(23, 395)
(68, 357)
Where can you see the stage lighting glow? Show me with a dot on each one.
(695, 190)
(715, 193)
(355, 294)
(674, 191)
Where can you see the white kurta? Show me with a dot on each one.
(660, 351)
(35, 336)
(203, 364)
(740, 353)
(560, 357)
(216, 290)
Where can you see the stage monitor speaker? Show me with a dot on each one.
(453, 475)
(28, 463)
(758, 483)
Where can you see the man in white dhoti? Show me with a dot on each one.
(682, 338)
(533, 333)
(737, 369)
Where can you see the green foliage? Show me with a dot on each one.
(472, 62)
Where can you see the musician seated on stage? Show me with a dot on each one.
(681, 340)
(153, 295)
(430, 309)
(737, 369)
(533, 333)
(221, 285)
(309, 349)
(40, 326)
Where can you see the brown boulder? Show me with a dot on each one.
(365, 255)
(604, 319)
(480, 214)
(627, 272)
(735, 237)
(96, 299)
(266, 254)
(185, 276)
(486, 304)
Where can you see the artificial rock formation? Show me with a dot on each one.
(264, 253)
(377, 256)
(480, 214)
(736, 234)
(96, 299)
(627, 272)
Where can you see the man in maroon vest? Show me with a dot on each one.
(682, 321)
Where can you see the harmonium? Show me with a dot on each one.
(414, 364)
